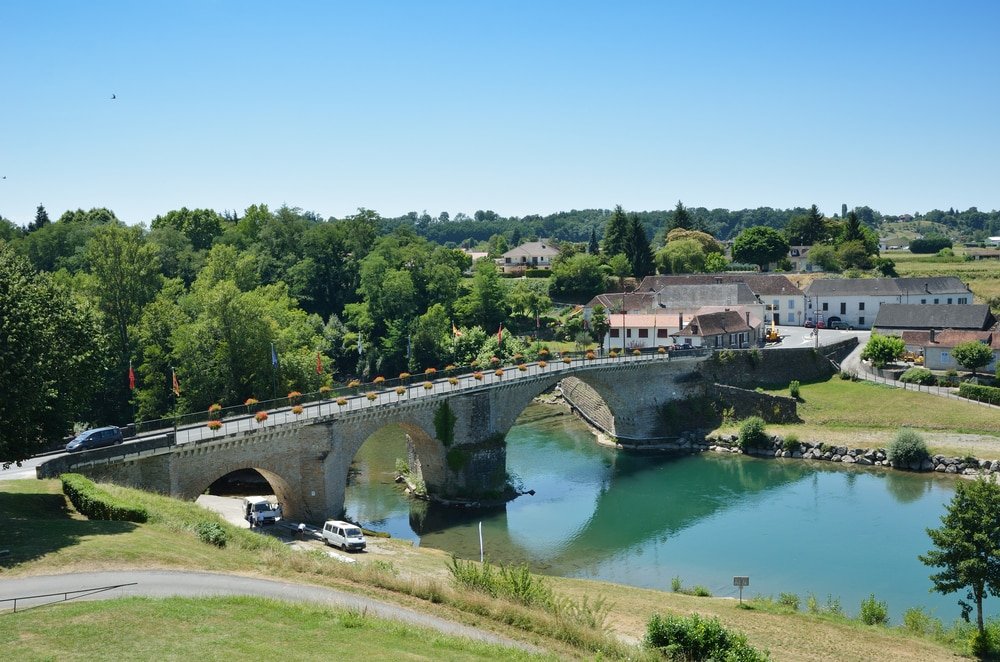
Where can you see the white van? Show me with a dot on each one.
(258, 510)
(344, 535)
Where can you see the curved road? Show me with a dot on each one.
(164, 583)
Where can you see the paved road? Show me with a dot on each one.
(161, 583)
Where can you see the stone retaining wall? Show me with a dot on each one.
(746, 403)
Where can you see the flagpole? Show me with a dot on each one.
(274, 373)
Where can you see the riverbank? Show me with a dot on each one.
(48, 537)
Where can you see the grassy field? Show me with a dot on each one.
(224, 629)
(46, 536)
(865, 415)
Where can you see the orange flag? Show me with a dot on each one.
(319, 364)
(455, 332)
(177, 385)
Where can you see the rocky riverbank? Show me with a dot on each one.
(965, 466)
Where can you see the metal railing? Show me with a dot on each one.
(76, 594)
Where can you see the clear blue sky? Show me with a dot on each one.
(519, 107)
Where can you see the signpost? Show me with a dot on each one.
(741, 582)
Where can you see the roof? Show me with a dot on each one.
(715, 324)
(885, 286)
(634, 301)
(533, 248)
(949, 338)
(759, 284)
(934, 316)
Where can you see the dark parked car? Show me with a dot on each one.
(96, 438)
(839, 324)
(809, 324)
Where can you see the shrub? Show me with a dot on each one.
(790, 600)
(907, 448)
(701, 591)
(793, 388)
(790, 443)
(874, 612)
(752, 433)
(515, 583)
(918, 621)
(989, 394)
(675, 584)
(95, 503)
(917, 375)
(697, 638)
(211, 533)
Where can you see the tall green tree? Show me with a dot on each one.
(881, 350)
(967, 546)
(637, 250)
(681, 218)
(760, 245)
(852, 229)
(578, 276)
(200, 226)
(485, 304)
(806, 229)
(41, 219)
(51, 349)
(615, 232)
(592, 246)
(972, 355)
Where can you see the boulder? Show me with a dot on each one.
(864, 460)
(797, 454)
(836, 457)
(926, 465)
(848, 459)
(841, 450)
(827, 456)
(951, 469)
(940, 468)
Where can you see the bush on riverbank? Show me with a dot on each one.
(95, 503)
(696, 638)
(917, 375)
(752, 434)
(907, 449)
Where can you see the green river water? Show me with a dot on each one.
(791, 525)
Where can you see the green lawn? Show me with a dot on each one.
(225, 628)
(865, 415)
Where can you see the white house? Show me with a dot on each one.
(781, 299)
(639, 331)
(722, 329)
(530, 255)
(936, 346)
(856, 301)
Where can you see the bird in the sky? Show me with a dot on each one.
(113, 96)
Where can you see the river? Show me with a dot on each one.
(833, 531)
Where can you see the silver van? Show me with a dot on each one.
(344, 535)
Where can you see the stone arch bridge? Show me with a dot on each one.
(455, 433)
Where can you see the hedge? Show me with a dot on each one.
(95, 503)
(990, 394)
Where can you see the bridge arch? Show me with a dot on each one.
(281, 486)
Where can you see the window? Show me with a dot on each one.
(775, 303)
(949, 299)
(843, 307)
(643, 333)
(861, 321)
(628, 333)
(963, 300)
(615, 332)
(923, 301)
(936, 300)
(791, 304)
(861, 305)
(506, 260)
(826, 306)
(662, 333)
(945, 358)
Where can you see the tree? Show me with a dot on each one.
(852, 229)
(41, 219)
(681, 218)
(599, 324)
(681, 256)
(825, 257)
(853, 255)
(51, 346)
(807, 229)
(616, 232)
(637, 250)
(620, 268)
(759, 245)
(972, 355)
(881, 350)
(708, 243)
(967, 546)
(592, 247)
(485, 304)
(580, 275)
(715, 262)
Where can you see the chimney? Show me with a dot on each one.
(680, 320)
(748, 317)
(930, 335)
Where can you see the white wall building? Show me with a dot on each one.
(856, 300)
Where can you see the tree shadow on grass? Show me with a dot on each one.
(38, 524)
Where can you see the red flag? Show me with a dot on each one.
(454, 331)
(177, 385)
(319, 364)
(131, 377)
(500, 335)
